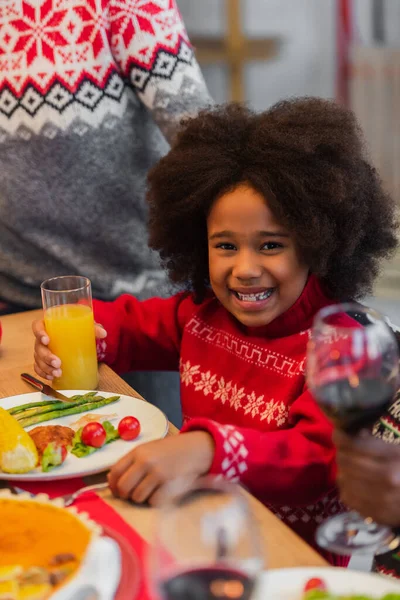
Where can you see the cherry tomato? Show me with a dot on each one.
(315, 584)
(129, 428)
(93, 434)
(64, 453)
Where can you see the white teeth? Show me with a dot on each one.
(254, 297)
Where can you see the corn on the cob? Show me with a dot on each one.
(18, 452)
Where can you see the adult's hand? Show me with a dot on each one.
(369, 476)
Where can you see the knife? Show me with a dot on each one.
(47, 390)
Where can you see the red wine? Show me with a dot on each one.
(208, 584)
(354, 405)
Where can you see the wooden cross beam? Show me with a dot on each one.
(234, 49)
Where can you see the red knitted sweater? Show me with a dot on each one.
(245, 387)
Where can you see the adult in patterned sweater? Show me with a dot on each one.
(90, 93)
(270, 217)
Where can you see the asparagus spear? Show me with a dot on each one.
(55, 414)
(18, 409)
(22, 407)
(41, 410)
(57, 405)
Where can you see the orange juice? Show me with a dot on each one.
(71, 331)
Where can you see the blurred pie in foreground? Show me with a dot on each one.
(42, 545)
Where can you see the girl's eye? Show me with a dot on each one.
(271, 246)
(226, 246)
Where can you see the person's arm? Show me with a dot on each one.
(142, 335)
(295, 466)
(152, 49)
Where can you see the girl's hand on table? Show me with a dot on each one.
(47, 364)
(369, 476)
(144, 472)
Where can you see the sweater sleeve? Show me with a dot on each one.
(293, 466)
(152, 49)
(142, 335)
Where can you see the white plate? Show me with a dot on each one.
(153, 422)
(101, 569)
(288, 584)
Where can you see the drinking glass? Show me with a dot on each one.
(206, 545)
(68, 317)
(352, 371)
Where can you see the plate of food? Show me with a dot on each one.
(43, 439)
(325, 584)
(50, 552)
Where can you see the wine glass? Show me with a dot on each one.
(206, 545)
(352, 371)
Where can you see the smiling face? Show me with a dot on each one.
(255, 270)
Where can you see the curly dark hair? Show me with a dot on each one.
(306, 156)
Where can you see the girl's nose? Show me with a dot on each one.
(246, 266)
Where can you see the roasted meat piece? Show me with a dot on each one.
(44, 434)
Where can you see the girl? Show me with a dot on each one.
(266, 218)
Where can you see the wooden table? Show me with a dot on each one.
(282, 548)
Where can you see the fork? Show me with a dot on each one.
(68, 499)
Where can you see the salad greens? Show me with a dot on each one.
(325, 595)
(80, 449)
(53, 456)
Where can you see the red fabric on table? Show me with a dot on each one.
(102, 513)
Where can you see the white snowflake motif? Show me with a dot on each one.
(236, 397)
(254, 404)
(276, 411)
(206, 383)
(224, 390)
(188, 372)
(101, 347)
(234, 463)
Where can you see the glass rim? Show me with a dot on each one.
(345, 307)
(86, 284)
(177, 491)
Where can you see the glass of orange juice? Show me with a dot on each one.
(68, 317)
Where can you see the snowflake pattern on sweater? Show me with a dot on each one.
(66, 58)
(91, 92)
(238, 398)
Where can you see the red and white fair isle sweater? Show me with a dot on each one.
(90, 93)
(245, 387)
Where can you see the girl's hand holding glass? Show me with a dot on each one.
(47, 364)
(68, 318)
